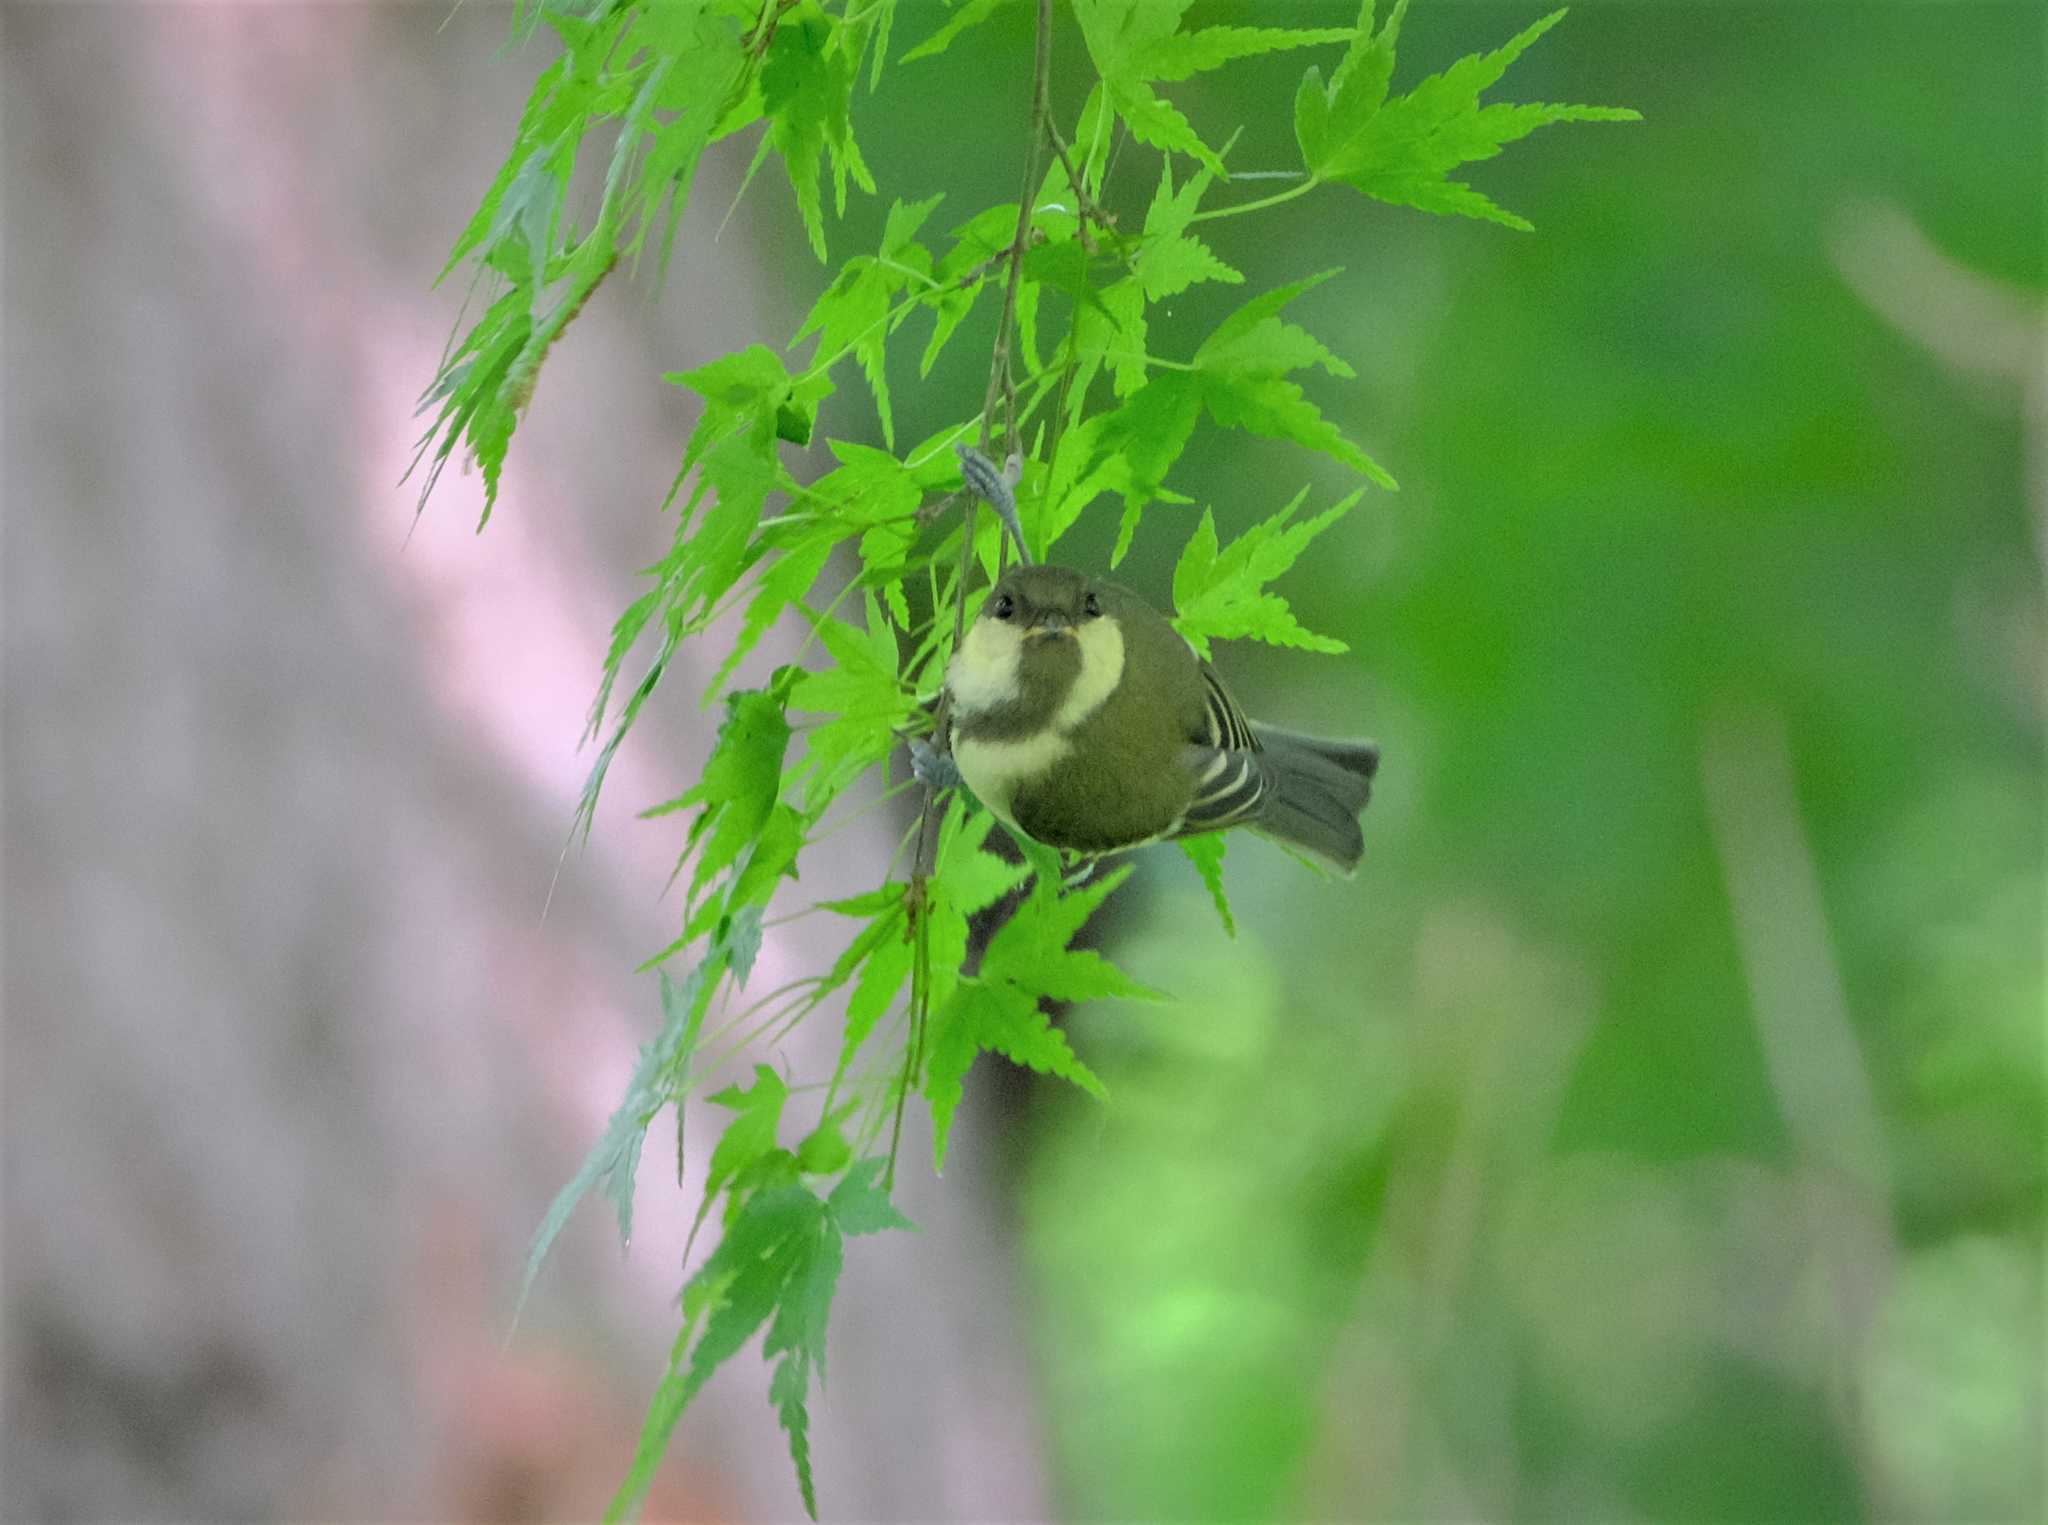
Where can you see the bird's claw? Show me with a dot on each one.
(934, 769)
(997, 489)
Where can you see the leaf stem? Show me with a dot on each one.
(1292, 193)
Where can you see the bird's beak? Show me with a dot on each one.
(1052, 622)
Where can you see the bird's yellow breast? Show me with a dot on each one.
(987, 673)
(984, 672)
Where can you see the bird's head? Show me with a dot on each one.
(1040, 629)
(1038, 602)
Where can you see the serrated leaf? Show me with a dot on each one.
(785, 583)
(1124, 303)
(788, 1389)
(1028, 959)
(970, 878)
(1030, 949)
(741, 780)
(1312, 119)
(1401, 149)
(615, 1158)
(1240, 375)
(882, 974)
(771, 859)
(1278, 409)
(868, 903)
(1206, 853)
(1217, 593)
(1170, 259)
(858, 311)
(966, 879)
(824, 1150)
(757, 1114)
(864, 699)
(858, 1206)
(1158, 123)
(1271, 347)
(1149, 432)
(774, 1236)
(968, 14)
(798, 1335)
(979, 1016)
(1224, 348)
(473, 407)
(1188, 53)
(806, 93)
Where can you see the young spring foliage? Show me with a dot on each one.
(861, 564)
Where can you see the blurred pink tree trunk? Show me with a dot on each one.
(293, 1063)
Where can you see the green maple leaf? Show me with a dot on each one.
(777, 1235)
(1401, 149)
(1206, 853)
(749, 1139)
(798, 1335)
(865, 701)
(778, 1266)
(1028, 959)
(1219, 593)
(982, 1016)
(1239, 377)
(1136, 42)
(614, 1160)
(1242, 369)
(881, 951)
(859, 1206)
(1031, 950)
(966, 879)
(786, 582)
(968, 14)
(857, 311)
(807, 94)
(1189, 53)
(740, 782)
(1171, 259)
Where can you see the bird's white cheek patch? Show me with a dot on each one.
(994, 769)
(983, 673)
(1102, 668)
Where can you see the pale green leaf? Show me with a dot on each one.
(1187, 53)
(968, 14)
(1206, 853)
(859, 1206)
(1219, 593)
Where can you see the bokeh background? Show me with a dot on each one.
(1653, 1130)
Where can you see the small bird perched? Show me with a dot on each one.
(1082, 719)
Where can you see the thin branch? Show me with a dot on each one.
(1000, 383)
(1089, 209)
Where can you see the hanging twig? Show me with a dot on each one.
(916, 899)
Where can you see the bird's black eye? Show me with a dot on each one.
(1005, 606)
(1091, 606)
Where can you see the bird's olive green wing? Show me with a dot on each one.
(1224, 757)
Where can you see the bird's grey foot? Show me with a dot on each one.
(996, 488)
(936, 770)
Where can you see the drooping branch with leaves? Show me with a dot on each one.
(870, 562)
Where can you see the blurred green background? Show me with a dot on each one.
(1654, 1129)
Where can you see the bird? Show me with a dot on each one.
(1082, 719)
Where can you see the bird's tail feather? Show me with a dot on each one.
(1314, 790)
